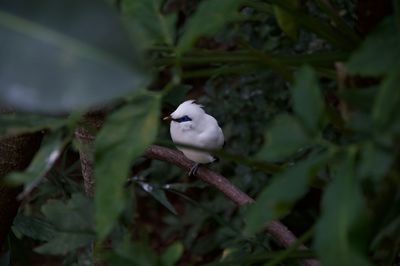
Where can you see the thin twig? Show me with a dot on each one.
(278, 231)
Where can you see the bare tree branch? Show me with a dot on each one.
(85, 138)
(86, 152)
(278, 231)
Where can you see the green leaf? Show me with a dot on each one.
(367, 60)
(81, 50)
(34, 228)
(286, 21)
(285, 137)
(146, 20)
(63, 243)
(44, 159)
(18, 123)
(135, 254)
(280, 195)
(308, 102)
(342, 231)
(75, 215)
(158, 194)
(207, 20)
(73, 221)
(386, 106)
(172, 254)
(125, 135)
(374, 161)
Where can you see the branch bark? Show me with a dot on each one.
(85, 139)
(278, 231)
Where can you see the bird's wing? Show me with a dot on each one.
(212, 137)
(221, 138)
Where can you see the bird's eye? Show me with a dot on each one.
(184, 119)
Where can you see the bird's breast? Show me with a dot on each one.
(181, 133)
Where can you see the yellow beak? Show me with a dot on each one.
(167, 118)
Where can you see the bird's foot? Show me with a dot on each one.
(193, 170)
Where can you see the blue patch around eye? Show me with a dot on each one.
(183, 119)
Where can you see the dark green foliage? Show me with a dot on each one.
(281, 194)
(367, 60)
(73, 223)
(387, 102)
(126, 134)
(284, 138)
(308, 103)
(145, 18)
(34, 228)
(210, 12)
(313, 141)
(343, 229)
(286, 21)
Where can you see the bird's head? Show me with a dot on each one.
(187, 114)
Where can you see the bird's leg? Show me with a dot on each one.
(193, 170)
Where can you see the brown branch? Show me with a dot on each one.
(86, 152)
(84, 135)
(278, 231)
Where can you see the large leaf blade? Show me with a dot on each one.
(72, 66)
(342, 230)
(124, 136)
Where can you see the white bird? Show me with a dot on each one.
(191, 125)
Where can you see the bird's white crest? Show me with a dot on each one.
(189, 108)
(199, 129)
